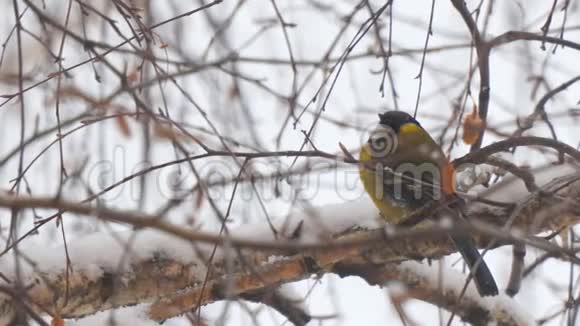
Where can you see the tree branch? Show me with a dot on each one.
(177, 285)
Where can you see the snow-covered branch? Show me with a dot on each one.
(443, 289)
(167, 265)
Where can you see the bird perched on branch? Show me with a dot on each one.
(403, 170)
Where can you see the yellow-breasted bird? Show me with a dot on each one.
(403, 170)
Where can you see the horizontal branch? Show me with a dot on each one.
(512, 36)
(172, 275)
(420, 283)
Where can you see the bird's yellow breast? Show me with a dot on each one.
(373, 185)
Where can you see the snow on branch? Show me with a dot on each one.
(166, 265)
(421, 281)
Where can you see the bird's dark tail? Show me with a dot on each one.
(481, 275)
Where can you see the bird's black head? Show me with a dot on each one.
(395, 119)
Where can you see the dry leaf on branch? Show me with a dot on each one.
(472, 126)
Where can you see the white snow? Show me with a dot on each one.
(290, 292)
(136, 315)
(453, 280)
(105, 251)
(100, 252)
(512, 189)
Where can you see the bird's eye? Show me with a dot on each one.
(383, 141)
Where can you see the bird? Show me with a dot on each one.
(404, 170)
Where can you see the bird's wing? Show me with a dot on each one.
(411, 185)
(413, 176)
